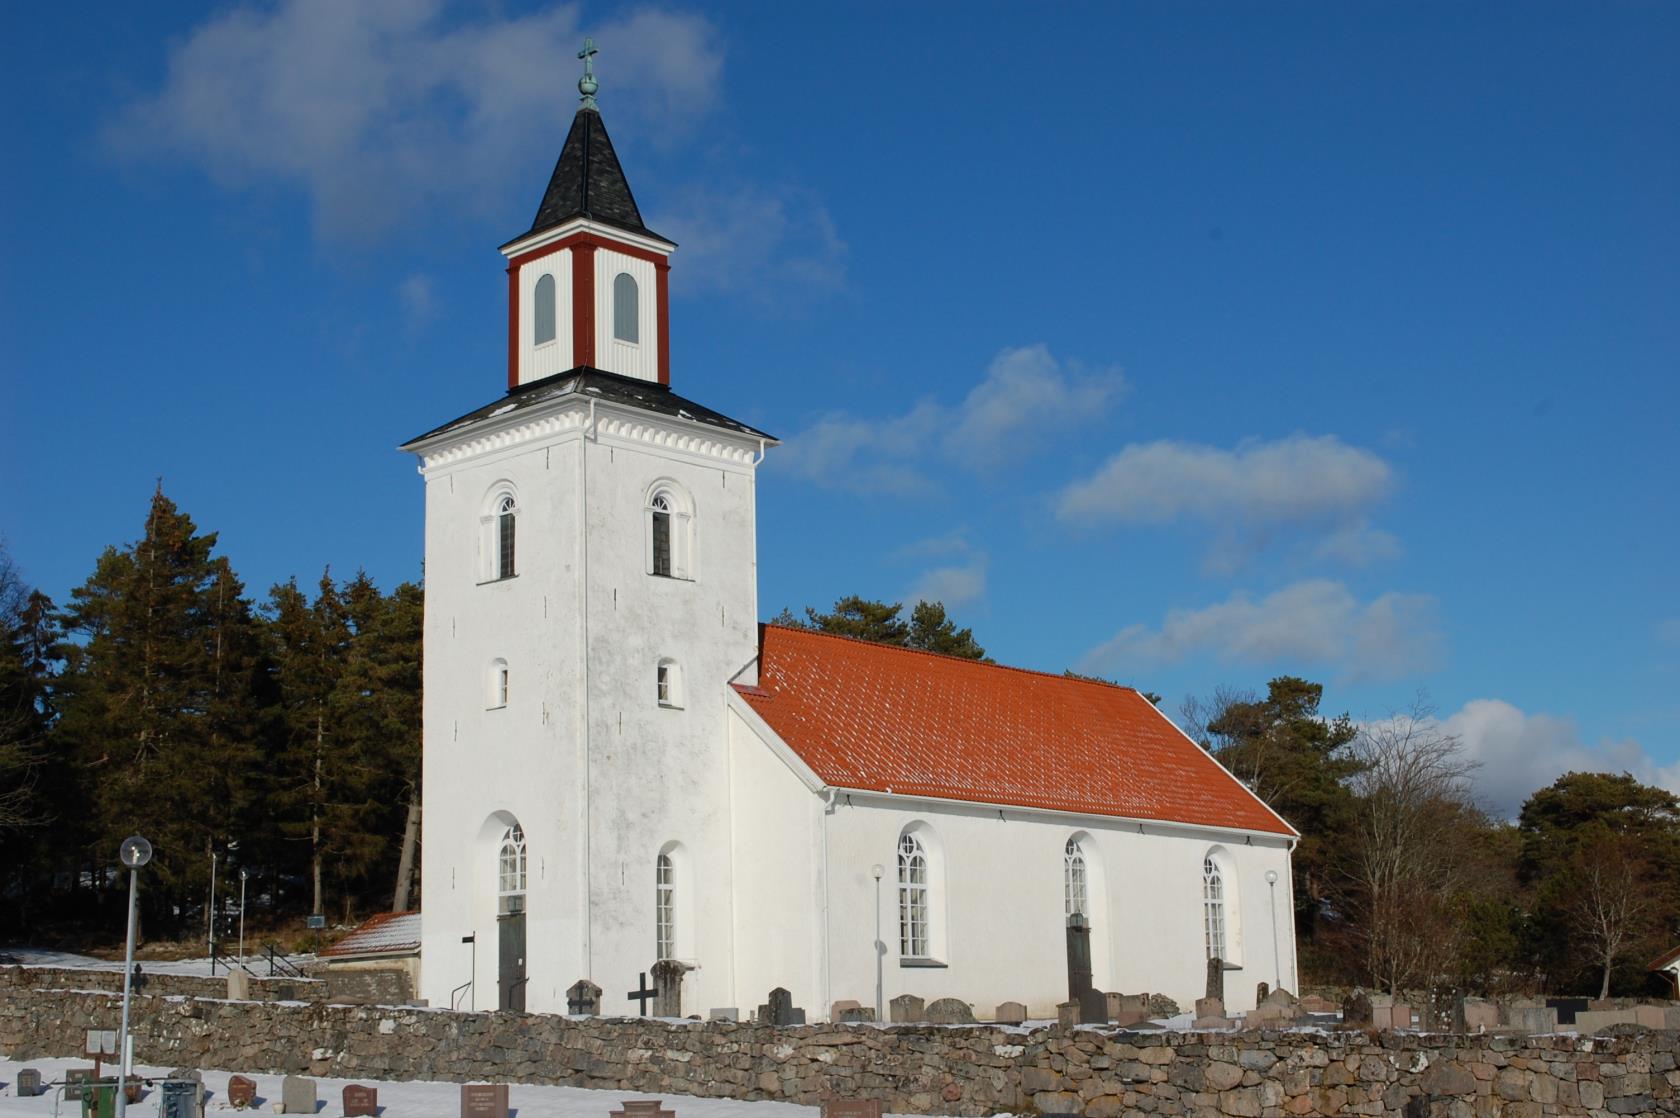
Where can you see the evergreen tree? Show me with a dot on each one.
(932, 631)
(159, 702)
(864, 619)
(27, 635)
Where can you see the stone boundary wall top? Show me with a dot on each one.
(971, 1070)
(167, 985)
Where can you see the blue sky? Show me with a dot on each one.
(1189, 344)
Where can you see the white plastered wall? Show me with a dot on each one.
(536, 362)
(641, 358)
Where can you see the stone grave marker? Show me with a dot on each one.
(642, 1108)
(583, 998)
(839, 1010)
(484, 1100)
(1010, 1013)
(851, 1108)
(726, 1013)
(360, 1101)
(1567, 1008)
(1067, 1014)
(779, 1010)
(1534, 1019)
(238, 986)
(1216, 979)
(297, 1095)
(76, 1081)
(1093, 1007)
(1313, 1003)
(1210, 1007)
(1128, 1009)
(28, 1083)
(180, 1098)
(1260, 992)
(241, 1092)
(668, 980)
(950, 1011)
(907, 1009)
(1475, 1015)
(1356, 1010)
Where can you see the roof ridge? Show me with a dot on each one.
(949, 656)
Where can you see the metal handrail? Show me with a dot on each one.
(279, 964)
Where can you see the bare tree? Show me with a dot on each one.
(1609, 903)
(1408, 857)
(1200, 718)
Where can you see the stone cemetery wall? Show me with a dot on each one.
(169, 985)
(963, 1070)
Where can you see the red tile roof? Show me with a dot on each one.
(388, 933)
(886, 719)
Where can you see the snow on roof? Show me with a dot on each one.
(389, 933)
(887, 719)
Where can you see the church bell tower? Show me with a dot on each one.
(591, 591)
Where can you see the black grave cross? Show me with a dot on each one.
(642, 995)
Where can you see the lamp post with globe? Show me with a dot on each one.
(134, 853)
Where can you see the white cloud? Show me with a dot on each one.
(1024, 395)
(743, 239)
(1519, 753)
(1310, 484)
(418, 298)
(952, 586)
(379, 110)
(1317, 622)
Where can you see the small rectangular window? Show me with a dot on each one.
(501, 687)
(664, 685)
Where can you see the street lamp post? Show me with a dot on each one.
(242, 875)
(880, 948)
(1277, 967)
(134, 853)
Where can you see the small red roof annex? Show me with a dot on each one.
(886, 719)
(387, 933)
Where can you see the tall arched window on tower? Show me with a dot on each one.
(1213, 908)
(510, 879)
(913, 898)
(665, 907)
(626, 309)
(661, 513)
(1075, 893)
(542, 311)
(506, 517)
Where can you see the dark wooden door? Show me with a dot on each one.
(510, 970)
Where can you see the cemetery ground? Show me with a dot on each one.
(406, 1099)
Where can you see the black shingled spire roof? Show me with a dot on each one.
(588, 182)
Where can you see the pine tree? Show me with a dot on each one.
(932, 631)
(864, 619)
(27, 636)
(159, 702)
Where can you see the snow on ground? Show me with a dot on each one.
(420, 1099)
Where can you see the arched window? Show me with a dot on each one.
(661, 513)
(510, 878)
(665, 907)
(668, 684)
(1075, 894)
(542, 311)
(626, 309)
(497, 689)
(506, 516)
(913, 898)
(1213, 908)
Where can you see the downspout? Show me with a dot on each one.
(828, 795)
(583, 669)
(1289, 917)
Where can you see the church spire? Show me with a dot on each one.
(587, 180)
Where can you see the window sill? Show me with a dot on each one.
(498, 706)
(927, 964)
(670, 706)
(670, 578)
(493, 581)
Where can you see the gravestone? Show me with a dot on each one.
(1356, 1010)
(667, 980)
(1475, 1015)
(238, 986)
(180, 1098)
(1534, 1019)
(1093, 1007)
(1567, 1008)
(906, 1009)
(1216, 979)
(642, 1108)
(484, 1100)
(583, 998)
(1067, 1014)
(241, 1092)
(1210, 1007)
(360, 1101)
(1260, 993)
(779, 1010)
(1010, 1013)
(839, 1010)
(28, 1083)
(75, 1083)
(297, 1095)
(851, 1108)
(1128, 1009)
(727, 1013)
(950, 1011)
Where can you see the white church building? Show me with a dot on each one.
(622, 764)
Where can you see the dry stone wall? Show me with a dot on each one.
(959, 1070)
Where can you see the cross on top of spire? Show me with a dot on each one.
(587, 85)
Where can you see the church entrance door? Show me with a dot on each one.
(510, 970)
